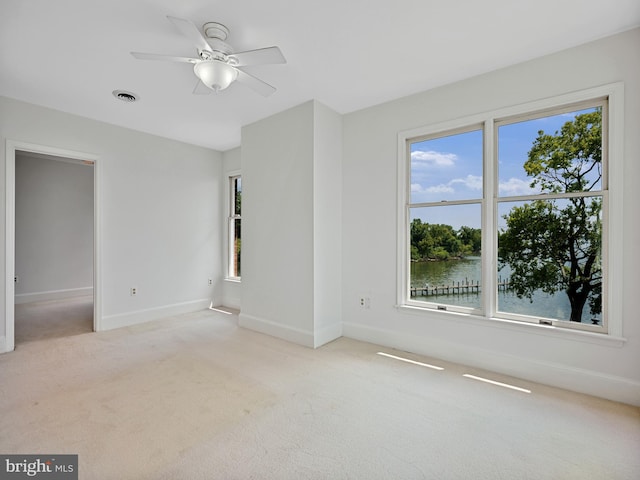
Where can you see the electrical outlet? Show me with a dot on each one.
(364, 302)
(15, 279)
(210, 282)
(133, 291)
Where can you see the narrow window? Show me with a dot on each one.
(446, 191)
(235, 221)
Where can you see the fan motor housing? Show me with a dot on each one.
(215, 30)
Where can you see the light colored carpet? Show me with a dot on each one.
(53, 318)
(196, 397)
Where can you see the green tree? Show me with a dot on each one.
(471, 238)
(435, 241)
(419, 241)
(556, 245)
(238, 205)
(445, 238)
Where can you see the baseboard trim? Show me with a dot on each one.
(232, 304)
(327, 334)
(277, 330)
(3, 345)
(601, 385)
(128, 319)
(52, 295)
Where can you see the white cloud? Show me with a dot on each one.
(431, 158)
(440, 189)
(516, 186)
(473, 182)
(511, 187)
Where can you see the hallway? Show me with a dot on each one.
(53, 319)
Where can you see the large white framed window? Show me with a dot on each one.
(234, 227)
(515, 215)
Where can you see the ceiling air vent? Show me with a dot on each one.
(125, 96)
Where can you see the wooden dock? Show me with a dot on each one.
(465, 287)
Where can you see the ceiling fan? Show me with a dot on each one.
(217, 66)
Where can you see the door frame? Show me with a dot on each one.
(10, 230)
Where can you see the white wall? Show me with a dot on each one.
(160, 214)
(327, 224)
(369, 227)
(231, 289)
(291, 215)
(277, 225)
(53, 228)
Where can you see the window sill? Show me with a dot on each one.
(232, 280)
(515, 326)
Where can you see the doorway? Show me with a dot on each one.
(52, 268)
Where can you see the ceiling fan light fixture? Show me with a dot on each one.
(215, 74)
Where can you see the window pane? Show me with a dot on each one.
(447, 168)
(445, 245)
(237, 195)
(554, 154)
(549, 259)
(237, 243)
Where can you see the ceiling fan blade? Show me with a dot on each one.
(189, 30)
(256, 84)
(201, 89)
(260, 56)
(168, 58)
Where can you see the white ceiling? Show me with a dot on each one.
(348, 54)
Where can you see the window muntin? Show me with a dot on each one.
(235, 224)
(502, 192)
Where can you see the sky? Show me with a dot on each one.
(450, 168)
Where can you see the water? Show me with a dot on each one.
(554, 306)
